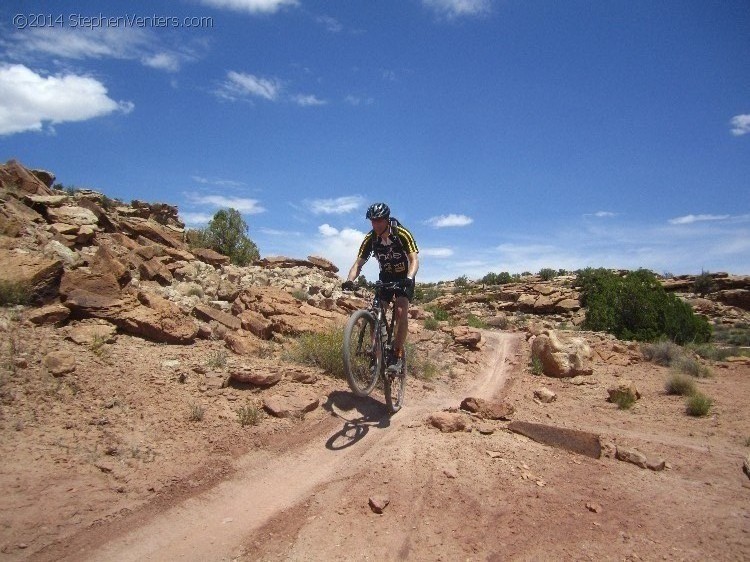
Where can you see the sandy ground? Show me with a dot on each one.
(106, 464)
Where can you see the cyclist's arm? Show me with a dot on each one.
(356, 268)
(413, 265)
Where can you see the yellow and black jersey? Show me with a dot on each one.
(392, 254)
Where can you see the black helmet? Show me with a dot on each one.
(378, 211)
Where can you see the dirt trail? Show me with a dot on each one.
(215, 524)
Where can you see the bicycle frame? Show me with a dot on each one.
(378, 308)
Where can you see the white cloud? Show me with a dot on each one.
(357, 100)
(251, 6)
(194, 220)
(218, 182)
(122, 43)
(340, 247)
(338, 206)
(689, 219)
(240, 85)
(307, 100)
(456, 8)
(436, 252)
(331, 24)
(740, 125)
(28, 99)
(604, 214)
(242, 204)
(443, 221)
(162, 61)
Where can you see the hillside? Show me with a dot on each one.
(150, 409)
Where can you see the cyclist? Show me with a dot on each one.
(396, 251)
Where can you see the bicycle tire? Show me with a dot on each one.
(362, 363)
(394, 387)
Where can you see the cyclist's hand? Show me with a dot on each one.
(407, 284)
(347, 285)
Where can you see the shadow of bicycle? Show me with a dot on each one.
(359, 415)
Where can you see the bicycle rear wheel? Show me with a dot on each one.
(361, 361)
(394, 387)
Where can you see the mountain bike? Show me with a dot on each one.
(368, 349)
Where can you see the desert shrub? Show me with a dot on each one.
(738, 334)
(680, 385)
(537, 367)
(636, 307)
(363, 283)
(323, 350)
(300, 295)
(497, 278)
(703, 284)
(662, 352)
(12, 293)
(547, 273)
(217, 360)
(699, 405)
(196, 412)
(711, 352)
(475, 322)
(226, 233)
(249, 414)
(430, 324)
(624, 400)
(690, 366)
(425, 294)
(420, 367)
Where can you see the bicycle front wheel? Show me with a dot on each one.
(361, 361)
(394, 387)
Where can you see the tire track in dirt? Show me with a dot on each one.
(213, 525)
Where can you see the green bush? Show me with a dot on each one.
(680, 385)
(699, 405)
(425, 294)
(226, 233)
(323, 350)
(636, 307)
(547, 274)
(438, 313)
(497, 278)
(537, 367)
(475, 322)
(624, 400)
(249, 414)
(703, 284)
(430, 324)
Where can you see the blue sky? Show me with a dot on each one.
(506, 135)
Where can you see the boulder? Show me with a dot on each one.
(448, 422)
(33, 272)
(60, 363)
(248, 375)
(623, 389)
(15, 178)
(291, 406)
(487, 409)
(71, 215)
(545, 395)
(50, 314)
(208, 313)
(323, 264)
(466, 336)
(242, 345)
(211, 257)
(562, 358)
(91, 331)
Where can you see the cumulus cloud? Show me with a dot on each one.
(337, 206)
(219, 182)
(689, 219)
(740, 125)
(457, 8)
(195, 220)
(340, 247)
(443, 221)
(28, 99)
(251, 6)
(242, 204)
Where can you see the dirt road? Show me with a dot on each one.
(451, 496)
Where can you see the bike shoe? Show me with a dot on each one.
(397, 367)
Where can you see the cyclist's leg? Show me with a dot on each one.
(402, 323)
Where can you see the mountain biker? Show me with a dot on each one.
(396, 251)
